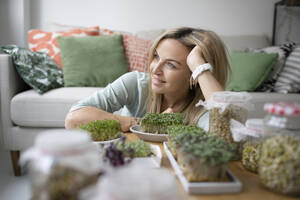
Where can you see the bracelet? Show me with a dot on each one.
(200, 69)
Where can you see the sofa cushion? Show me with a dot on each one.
(282, 51)
(30, 109)
(289, 78)
(92, 61)
(136, 50)
(37, 69)
(249, 70)
(44, 41)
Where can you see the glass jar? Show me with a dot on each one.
(282, 118)
(62, 164)
(252, 145)
(279, 162)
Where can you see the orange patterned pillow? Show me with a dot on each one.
(47, 42)
(136, 50)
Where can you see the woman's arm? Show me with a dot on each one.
(101, 104)
(206, 79)
(87, 114)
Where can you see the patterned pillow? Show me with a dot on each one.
(288, 79)
(37, 69)
(46, 42)
(136, 50)
(282, 51)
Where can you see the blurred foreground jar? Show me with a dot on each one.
(62, 164)
(279, 163)
(282, 118)
(252, 145)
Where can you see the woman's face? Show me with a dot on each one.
(169, 71)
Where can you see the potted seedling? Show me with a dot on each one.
(175, 130)
(137, 151)
(158, 123)
(203, 157)
(103, 131)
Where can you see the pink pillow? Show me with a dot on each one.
(47, 42)
(136, 50)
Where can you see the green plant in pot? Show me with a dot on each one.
(203, 157)
(175, 130)
(103, 130)
(158, 123)
(134, 149)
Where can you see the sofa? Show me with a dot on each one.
(25, 113)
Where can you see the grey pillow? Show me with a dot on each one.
(37, 69)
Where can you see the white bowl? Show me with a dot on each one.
(108, 142)
(148, 136)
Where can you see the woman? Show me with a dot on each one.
(185, 65)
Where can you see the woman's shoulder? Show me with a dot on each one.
(135, 76)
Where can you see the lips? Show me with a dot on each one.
(157, 81)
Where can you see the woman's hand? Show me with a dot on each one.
(195, 58)
(168, 110)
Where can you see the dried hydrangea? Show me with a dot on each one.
(279, 164)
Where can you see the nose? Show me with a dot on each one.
(157, 67)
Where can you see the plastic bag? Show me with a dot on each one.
(228, 112)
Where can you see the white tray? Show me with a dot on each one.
(150, 162)
(148, 136)
(233, 186)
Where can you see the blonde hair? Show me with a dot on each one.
(214, 52)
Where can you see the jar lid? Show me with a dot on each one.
(282, 108)
(63, 141)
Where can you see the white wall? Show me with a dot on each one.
(14, 21)
(224, 17)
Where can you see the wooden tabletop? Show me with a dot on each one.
(251, 189)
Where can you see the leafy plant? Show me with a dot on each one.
(158, 123)
(208, 149)
(121, 152)
(102, 130)
(175, 130)
(139, 148)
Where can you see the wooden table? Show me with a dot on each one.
(251, 189)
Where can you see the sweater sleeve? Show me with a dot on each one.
(122, 92)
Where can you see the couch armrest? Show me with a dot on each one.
(10, 85)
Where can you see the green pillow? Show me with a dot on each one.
(249, 70)
(92, 61)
